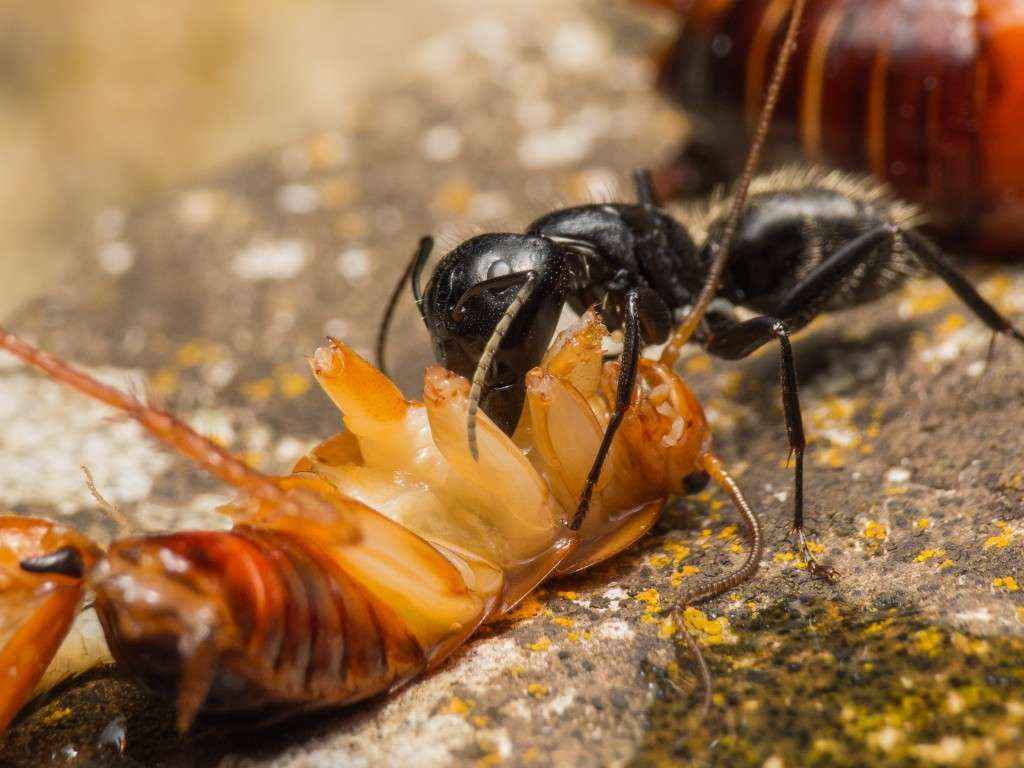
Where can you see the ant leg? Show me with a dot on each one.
(643, 182)
(737, 342)
(932, 258)
(412, 272)
(623, 396)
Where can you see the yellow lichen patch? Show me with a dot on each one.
(457, 706)
(538, 690)
(543, 644)
(667, 628)
(923, 523)
(1020, 614)
(1002, 539)
(947, 563)
(453, 196)
(568, 595)
(875, 531)
(924, 297)
(258, 390)
(727, 533)
(527, 609)
(1006, 584)
(650, 598)
(480, 721)
(815, 547)
(190, 355)
(292, 384)
(928, 554)
(573, 637)
(678, 551)
(164, 382)
(736, 548)
(677, 578)
(832, 456)
(659, 560)
(784, 557)
(563, 621)
(710, 631)
(928, 641)
(952, 322)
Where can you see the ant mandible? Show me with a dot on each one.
(801, 243)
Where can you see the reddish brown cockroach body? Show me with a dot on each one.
(928, 96)
(386, 547)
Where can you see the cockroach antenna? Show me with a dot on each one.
(412, 272)
(670, 354)
(488, 356)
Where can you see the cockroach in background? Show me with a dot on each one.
(384, 550)
(925, 95)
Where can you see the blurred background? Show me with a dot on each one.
(106, 103)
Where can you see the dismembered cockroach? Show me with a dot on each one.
(383, 550)
(927, 95)
(787, 246)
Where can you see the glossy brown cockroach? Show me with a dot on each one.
(926, 95)
(383, 550)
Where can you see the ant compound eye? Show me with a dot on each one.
(499, 268)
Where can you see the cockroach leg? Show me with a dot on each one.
(713, 466)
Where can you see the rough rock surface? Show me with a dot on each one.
(213, 296)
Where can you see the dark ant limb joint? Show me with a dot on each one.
(805, 242)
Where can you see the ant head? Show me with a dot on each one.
(509, 280)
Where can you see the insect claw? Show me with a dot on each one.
(196, 679)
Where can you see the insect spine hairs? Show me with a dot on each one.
(490, 350)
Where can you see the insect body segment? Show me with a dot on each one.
(386, 547)
(927, 96)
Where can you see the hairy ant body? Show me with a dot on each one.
(801, 243)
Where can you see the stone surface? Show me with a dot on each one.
(211, 297)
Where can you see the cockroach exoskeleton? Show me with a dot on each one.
(383, 550)
(926, 96)
(788, 245)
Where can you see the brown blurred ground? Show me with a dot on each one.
(108, 102)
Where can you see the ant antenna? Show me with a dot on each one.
(670, 354)
(412, 271)
(488, 356)
(113, 511)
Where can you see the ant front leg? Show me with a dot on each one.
(628, 362)
(738, 341)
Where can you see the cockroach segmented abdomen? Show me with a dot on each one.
(275, 618)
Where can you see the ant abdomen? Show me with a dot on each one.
(793, 220)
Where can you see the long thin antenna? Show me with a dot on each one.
(412, 271)
(670, 354)
(167, 428)
(488, 356)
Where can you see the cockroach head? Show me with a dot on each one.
(165, 613)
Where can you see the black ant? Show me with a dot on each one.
(800, 244)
